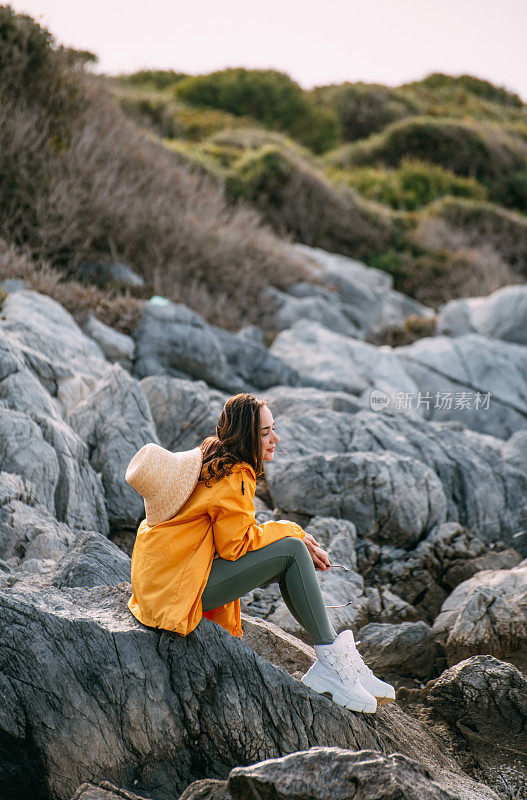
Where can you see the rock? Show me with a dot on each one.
(206, 789)
(251, 333)
(184, 412)
(91, 560)
(386, 606)
(366, 293)
(23, 387)
(79, 497)
(276, 645)
(515, 449)
(484, 491)
(254, 365)
(176, 341)
(407, 649)
(328, 773)
(340, 362)
(484, 701)
(115, 422)
(28, 532)
(283, 310)
(478, 381)
(296, 400)
(24, 452)
(501, 314)
(10, 285)
(52, 461)
(103, 274)
(103, 791)
(42, 324)
(91, 694)
(389, 497)
(486, 614)
(173, 340)
(116, 346)
(449, 555)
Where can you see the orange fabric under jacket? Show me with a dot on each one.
(171, 561)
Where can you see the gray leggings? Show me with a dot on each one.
(286, 561)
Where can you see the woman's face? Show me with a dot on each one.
(268, 437)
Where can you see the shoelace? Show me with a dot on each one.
(359, 663)
(343, 665)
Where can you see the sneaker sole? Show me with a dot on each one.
(321, 686)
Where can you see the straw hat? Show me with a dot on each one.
(164, 479)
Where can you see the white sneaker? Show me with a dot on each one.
(381, 690)
(335, 672)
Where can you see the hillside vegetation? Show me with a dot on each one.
(83, 182)
(199, 182)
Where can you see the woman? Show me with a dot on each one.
(200, 560)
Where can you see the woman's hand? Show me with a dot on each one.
(319, 556)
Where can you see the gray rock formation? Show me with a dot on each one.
(42, 324)
(389, 497)
(423, 576)
(484, 701)
(501, 314)
(474, 379)
(407, 649)
(184, 411)
(366, 294)
(486, 614)
(340, 362)
(115, 273)
(328, 450)
(115, 422)
(173, 340)
(116, 346)
(91, 694)
(326, 773)
(91, 560)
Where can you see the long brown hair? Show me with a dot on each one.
(237, 438)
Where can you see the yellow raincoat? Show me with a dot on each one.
(171, 561)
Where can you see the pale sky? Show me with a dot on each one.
(329, 41)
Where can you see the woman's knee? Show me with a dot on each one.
(296, 546)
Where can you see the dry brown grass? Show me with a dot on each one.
(113, 193)
(471, 270)
(113, 307)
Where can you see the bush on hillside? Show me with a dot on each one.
(110, 192)
(475, 224)
(170, 118)
(482, 151)
(270, 97)
(439, 81)
(412, 185)
(34, 72)
(152, 78)
(296, 198)
(364, 108)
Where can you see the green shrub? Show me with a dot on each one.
(170, 118)
(475, 86)
(296, 198)
(483, 151)
(270, 97)
(153, 78)
(35, 72)
(412, 185)
(484, 223)
(364, 108)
